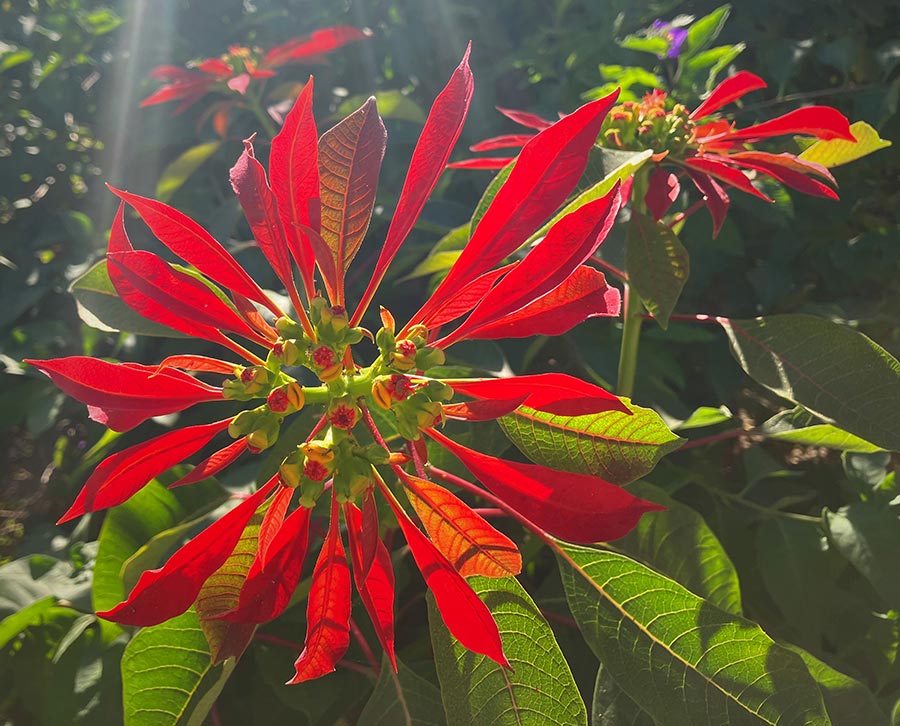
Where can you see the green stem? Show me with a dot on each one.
(631, 338)
(631, 330)
(264, 119)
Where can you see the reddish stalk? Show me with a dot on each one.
(556, 617)
(317, 428)
(611, 269)
(681, 216)
(725, 435)
(488, 512)
(364, 646)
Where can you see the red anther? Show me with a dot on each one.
(315, 470)
(247, 375)
(323, 356)
(338, 310)
(400, 387)
(406, 347)
(278, 400)
(278, 349)
(343, 416)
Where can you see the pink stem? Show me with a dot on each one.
(611, 269)
(364, 646)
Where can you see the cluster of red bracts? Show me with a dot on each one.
(310, 218)
(240, 66)
(718, 151)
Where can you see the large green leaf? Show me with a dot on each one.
(830, 369)
(30, 615)
(657, 265)
(402, 699)
(839, 151)
(100, 306)
(679, 544)
(868, 535)
(130, 526)
(179, 171)
(612, 445)
(168, 677)
(488, 197)
(704, 31)
(797, 571)
(682, 659)
(476, 691)
(849, 702)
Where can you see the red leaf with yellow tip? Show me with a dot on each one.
(462, 611)
(374, 582)
(168, 591)
(294, 173)
(574, 507)
(468, 542)
(328, 608)
(120, 475)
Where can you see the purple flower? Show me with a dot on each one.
(675, 35)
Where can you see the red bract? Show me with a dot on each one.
(710, 154)
(235, 70)
(311, 211)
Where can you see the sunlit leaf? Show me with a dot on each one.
(179, 171)
(839, 151)
(478, 692)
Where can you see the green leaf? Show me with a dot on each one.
(128, 527)
(703, 32)
(799, 426)
(402, 699)
(797, 571)
(657, 264)
(869, 537)
(14, 57)
(179, 171)
(838, 151)
(30, 615)
(613, 707)
(830, 369)
(657, 45)
(705, 416)
(100, 306)
(488, 197)
(392, 104)
(849, 702)
(678, 543)
(168, 677)
(611, 444)
(476, 691)
(621, 166)
(442, 255)
(682, 659)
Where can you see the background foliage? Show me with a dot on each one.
(764, 521)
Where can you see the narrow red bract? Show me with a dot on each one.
(328, 608)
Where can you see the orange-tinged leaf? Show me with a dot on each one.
(471, 545)
(272, 521)
(350, 157)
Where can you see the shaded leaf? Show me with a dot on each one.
(613, 707)
(179, 171)
(682, 659)
(402, 699)
(830, 369)
(657, 264)
(476, 691)
(678, 543)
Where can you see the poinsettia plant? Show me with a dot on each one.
(309, 215)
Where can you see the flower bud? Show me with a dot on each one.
(288, 398)
(381, 394)
(331, 373)
(310, 491)
(243, 423)
(385, 341)
(317, 451)
(418, 333)
(287, 328)
(343, 414)
(315, 470)
(288, 352)
(264, 434)
(291, 469)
